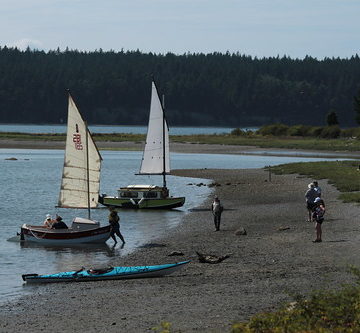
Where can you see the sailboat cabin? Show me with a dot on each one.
(143, 191)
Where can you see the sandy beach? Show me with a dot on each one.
(276, 258)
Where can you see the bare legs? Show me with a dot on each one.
(318, 232)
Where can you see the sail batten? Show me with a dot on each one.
(155, 150)
(81, 173)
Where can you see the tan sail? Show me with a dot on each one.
(81, 173)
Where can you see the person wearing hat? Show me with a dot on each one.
(217, 209)
(59, 224)
(318, 216)
(310, 197)
(48, 221)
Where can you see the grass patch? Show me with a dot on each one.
(344, 175)
(110, 137)
(324, 311)
(306, 143)
(288, 142)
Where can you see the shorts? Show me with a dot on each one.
(310, 205)
(320, 221)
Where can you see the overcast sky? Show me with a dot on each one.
(319, 28)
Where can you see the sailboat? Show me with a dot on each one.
(79, 188)
(155, 161)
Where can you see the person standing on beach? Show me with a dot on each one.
(318, 216)
(310, 197)
(217, 209)
(114, 220)
(317, 188)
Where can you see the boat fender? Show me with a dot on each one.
(25, 276)
(132, 201)
(141, 200)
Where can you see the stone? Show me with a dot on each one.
(240, 232)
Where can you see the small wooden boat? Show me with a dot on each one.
(79, 189)
(81, 231)
(107, 273)
(155, 161)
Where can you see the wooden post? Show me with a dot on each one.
(269, 168)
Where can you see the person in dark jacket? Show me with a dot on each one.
(114, 220)
(217, 209)
(310, 197)
(59, 224)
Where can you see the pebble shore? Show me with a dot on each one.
(274, 259)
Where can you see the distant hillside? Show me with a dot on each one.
(200, 89)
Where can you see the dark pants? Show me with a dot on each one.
(115, 230)
(217, 218)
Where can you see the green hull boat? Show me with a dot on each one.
(155, 161)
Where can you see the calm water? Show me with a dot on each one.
(114, 129)
(30, 188)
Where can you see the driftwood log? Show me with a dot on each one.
(211, 259)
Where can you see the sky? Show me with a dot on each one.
(261, 28)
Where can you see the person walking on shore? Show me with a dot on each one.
(310, 197)
(318, 216)
(114, 220)
(217, 209)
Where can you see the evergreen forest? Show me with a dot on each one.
(217, 89)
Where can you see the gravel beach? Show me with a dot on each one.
(276, 258)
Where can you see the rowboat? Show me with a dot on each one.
(155, 161)
(79, 189)
(107, 273)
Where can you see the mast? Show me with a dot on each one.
(87, 169)
(163, 140)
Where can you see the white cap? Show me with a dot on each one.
(317, 199)
(311, 185)
(48, 216)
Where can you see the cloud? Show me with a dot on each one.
(24, 43)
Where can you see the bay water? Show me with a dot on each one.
(30, 183)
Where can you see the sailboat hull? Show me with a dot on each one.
(163, 203)
(42, 235)
(111, 273)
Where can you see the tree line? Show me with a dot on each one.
(216, 89)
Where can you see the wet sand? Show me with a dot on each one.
(275, 258)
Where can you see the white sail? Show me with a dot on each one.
(81, 174)
(156, 154)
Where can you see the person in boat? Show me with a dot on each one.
(48, 221)
(114, 221)
(217, 209)
(59, 224)
(310, 197)
(165, 192)
(318, 216)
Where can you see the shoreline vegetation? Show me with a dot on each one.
(329, 138)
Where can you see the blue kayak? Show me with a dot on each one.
(107, 273)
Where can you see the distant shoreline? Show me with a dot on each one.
(179, 147)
